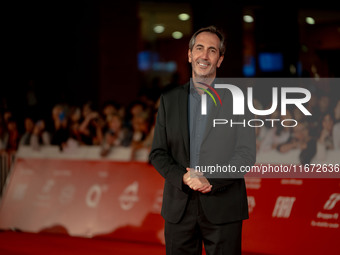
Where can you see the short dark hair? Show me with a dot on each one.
(213, 30)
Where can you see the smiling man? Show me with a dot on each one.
(206, 53)
(197, 207)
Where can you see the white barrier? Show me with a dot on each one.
(292, 157)
(83, 152)
(53, 152)
(125, 154)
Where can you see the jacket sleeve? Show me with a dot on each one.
(160, 155)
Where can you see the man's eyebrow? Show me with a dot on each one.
(210, 47)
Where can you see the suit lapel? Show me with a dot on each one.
(212, 115)
(183, 115)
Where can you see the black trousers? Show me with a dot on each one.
(187, 236)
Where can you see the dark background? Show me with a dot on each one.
(77, 51)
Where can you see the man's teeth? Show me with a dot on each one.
(202, 64)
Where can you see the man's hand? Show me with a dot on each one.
(196, 181)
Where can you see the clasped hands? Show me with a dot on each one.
(196, 181)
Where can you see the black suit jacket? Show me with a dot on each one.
(170, 155)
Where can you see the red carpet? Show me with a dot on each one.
(14, 243)
(35, 244)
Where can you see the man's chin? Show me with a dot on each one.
(203, 75)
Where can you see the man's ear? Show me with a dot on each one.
(219, 62)
(189, 56)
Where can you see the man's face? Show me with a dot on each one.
(205, 56)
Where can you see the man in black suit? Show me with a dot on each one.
(202, 207)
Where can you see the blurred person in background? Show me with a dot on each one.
(40, 136)
(6, 116)
(298, 140)
(73, 140)
(59, 133)
(140, 130)
(302, 141)
(336, 127)
(116, 134)
(140, 127)
(73, 124)
(146, 124)
(28, 126)
(278, 134)
(312, 106)
(322, 107)
(3, 136)
(137, 107)
(13, 135)
(91, 126)
(326, 136)
(300, 117)
(109, 108)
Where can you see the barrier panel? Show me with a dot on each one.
(84, 198)
(292, 216)
(122, 200)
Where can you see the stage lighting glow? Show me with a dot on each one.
(310, 21)
(177, 35)
(184, 16)
(248, 19)
(159, 29)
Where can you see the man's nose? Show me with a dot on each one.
(205, 54)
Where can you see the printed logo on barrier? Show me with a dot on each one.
(283, 207)
(157, 205)
(129, 197)
(331, 202)
(94, 194)
(326, 219)
(48, 186)
(251, 203)
(44, 196)
(19, 191)
(67, 194)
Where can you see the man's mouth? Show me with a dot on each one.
(203, 64)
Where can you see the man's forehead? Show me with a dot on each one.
(207, 38)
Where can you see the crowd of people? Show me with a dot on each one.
(71, 126)
(313, 135)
